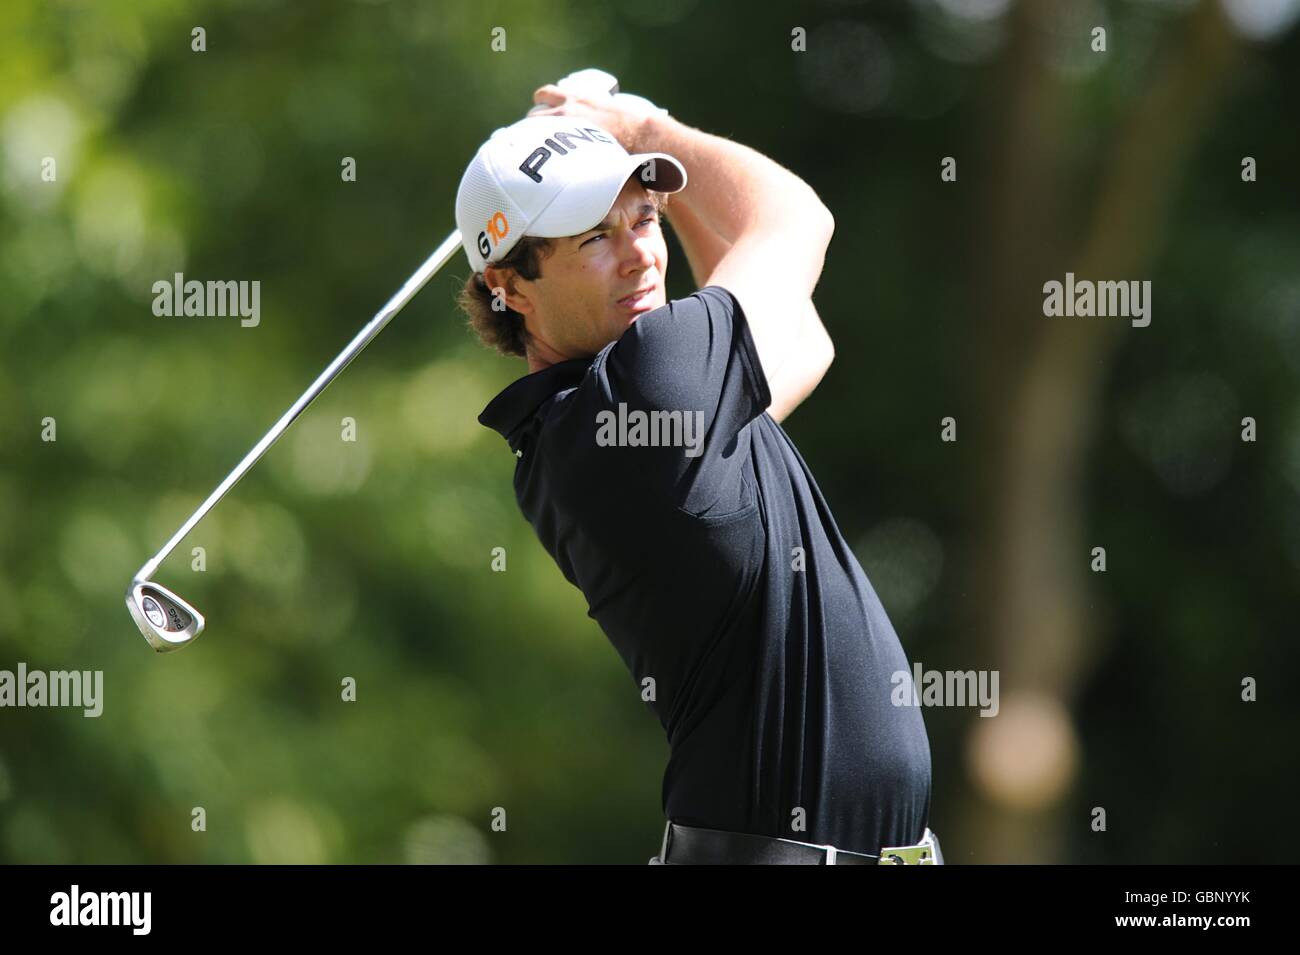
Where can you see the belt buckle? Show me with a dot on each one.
(920, 854)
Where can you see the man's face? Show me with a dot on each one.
(578, 305)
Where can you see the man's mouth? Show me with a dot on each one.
(638, 301)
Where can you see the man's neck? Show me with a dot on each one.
(541, 355)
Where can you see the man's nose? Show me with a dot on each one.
(641, 253)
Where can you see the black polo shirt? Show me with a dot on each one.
(771, 666)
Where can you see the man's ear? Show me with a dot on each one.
(502, 282)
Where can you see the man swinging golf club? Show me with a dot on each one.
(652, 466)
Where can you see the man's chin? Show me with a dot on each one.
(625, 320)
(628, 319)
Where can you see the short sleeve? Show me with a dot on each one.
(695, 356)
(695, 353)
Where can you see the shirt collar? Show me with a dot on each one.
(515, 405)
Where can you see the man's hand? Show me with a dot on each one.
(623, 116)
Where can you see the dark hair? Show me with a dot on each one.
(502, 328)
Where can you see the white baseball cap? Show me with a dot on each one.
(548, 176)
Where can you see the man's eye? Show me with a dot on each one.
(601, 236)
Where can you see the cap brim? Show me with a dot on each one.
(581, 205)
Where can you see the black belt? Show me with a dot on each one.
(689, 845)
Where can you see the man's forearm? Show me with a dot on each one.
(703, 246)
(732, 188)
(796, 379)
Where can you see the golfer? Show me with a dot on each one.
(651, 463)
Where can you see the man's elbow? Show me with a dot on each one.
(822, 229)
(824, 359)
(812, 217)
(824, 348)
(816, 362)
(828, 222)
(824, 222)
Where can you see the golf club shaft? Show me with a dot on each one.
(394, 305)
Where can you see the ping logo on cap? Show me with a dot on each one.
(531, 167)
(499, 227)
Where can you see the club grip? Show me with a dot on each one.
(589, 82)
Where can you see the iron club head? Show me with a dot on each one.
(166, 621)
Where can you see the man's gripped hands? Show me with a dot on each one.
(624, 116)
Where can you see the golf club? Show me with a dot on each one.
(167, 621)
